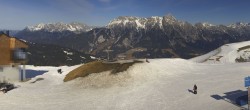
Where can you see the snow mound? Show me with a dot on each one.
(228, 53)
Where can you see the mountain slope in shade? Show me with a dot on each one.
(52, 55)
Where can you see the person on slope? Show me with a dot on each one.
(147, 60)
(195, 89)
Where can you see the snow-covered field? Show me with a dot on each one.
(162, 84)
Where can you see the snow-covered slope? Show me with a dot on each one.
(229, 53)
(60, 27)
(162, 84)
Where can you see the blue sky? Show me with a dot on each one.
(17, 14)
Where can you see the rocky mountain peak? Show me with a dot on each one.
(60, 27)
(206, 24)
(137, 22)
(239, 24)
(169, 17)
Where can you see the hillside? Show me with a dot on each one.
(228, 53)
(52, 55)
(160, 84)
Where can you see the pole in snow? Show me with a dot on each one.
(247, 84)
(108, 53)
(248, 102)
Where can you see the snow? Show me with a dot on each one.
(206, 24)
(160, 22)
(92, 57)
(59, 27)
(162, 84)
(68, 53)
(225, 54)
(137, 21)
(238, 24)
(114, 22)
(82, 57)
(139, 25)
(37, 27)
(125, 22)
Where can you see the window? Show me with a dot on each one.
(19, 54)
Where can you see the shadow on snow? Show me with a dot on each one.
(32, 73)
(238, 98)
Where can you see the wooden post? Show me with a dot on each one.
(108, 53)
(12, 43)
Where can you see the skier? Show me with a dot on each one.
(195, 89)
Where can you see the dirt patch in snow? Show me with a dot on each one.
(97, 67)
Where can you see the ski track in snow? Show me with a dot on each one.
(162, 84)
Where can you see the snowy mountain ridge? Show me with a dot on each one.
(239, 24)
(206, 24)
(60, 27)
(140, 22)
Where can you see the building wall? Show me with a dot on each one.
(5, 52)
(7, 45)
(20, 44)
(9, 70)
(9, 74)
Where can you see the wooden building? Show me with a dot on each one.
(12, 54)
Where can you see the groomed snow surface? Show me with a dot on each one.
(162, 84)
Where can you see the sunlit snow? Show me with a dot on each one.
(161, 84)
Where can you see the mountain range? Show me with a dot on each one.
(60, 27)
(136, 37)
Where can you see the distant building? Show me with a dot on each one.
(12, 55)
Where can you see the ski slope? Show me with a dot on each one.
(162, 84)
(225, 54)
